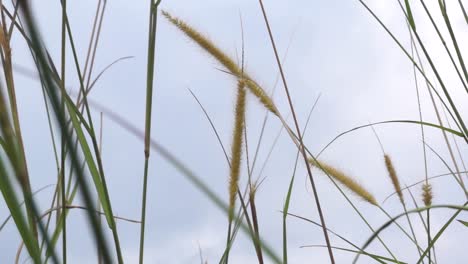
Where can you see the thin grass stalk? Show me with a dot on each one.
(149, 100)
(413, 47)
(94, 50)
(443, 10)
(55, 203)
(63, 157)
(460, 156)
(267, 112)
(98, 204)
(463, 10)
(243, 212)
(45, 73)
(253, 187)
(286, 211)
(309, 172)
(253, 209)
(91, 40)
(291, 184)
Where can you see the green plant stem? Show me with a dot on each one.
(149, 100)
(63, 157)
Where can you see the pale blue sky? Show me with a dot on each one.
(336, 49)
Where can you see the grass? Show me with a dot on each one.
(81, 169)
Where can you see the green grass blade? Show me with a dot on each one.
(90, 162)
(149, 102)
(422, 209)
(457, 133)
(410, 15)
(463, 222)
(15, 209)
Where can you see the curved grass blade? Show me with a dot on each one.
(377, 258)
(90, 161)
(388, 122)
(417, 210)
(463, 222)
(20, 204)
(16, 213)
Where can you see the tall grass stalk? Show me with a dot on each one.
(304, 155)
(149, 101)
(63, 157)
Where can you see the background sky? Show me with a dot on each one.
(331, 48)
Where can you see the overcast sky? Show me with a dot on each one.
(334, 49)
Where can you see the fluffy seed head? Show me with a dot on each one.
(224, 59)
(393, 176)
(236, 151)
(347, 181)
(427, 194)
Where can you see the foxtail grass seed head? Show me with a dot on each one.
(393, 176)
(224, 59)
(345, 180)
(236, 151)
(204, 43)
(427, 194)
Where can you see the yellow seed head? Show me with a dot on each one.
(427, 194)
(347, 181)
(224, 59)
(236, 151)
(393, 176)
